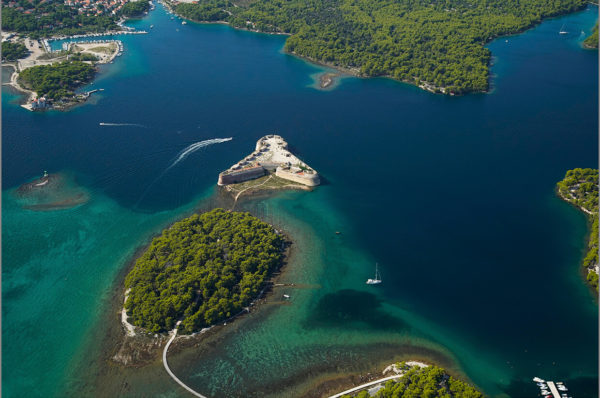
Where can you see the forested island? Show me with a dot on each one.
(592, 40)
(202, 270)
(580, 188)
(436, 45)
(57, 81)
(419, 382)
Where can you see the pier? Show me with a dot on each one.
(553, 389)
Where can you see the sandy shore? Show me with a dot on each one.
(14, 84)
(129, 328)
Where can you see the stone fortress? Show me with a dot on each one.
(271, 155)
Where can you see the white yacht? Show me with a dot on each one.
(562, 30)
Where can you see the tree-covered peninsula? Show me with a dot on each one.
(592, 40)
(57, 81)
(438, 45)
(430, 382)
(580, 187)
(201, 270)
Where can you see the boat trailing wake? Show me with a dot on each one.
(121, 124)
(194, 147)
(180, 157)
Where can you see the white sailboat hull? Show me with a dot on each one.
(377, 279)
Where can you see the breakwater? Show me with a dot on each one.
(47, 43)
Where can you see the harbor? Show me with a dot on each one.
(551, 389)
(47, 43)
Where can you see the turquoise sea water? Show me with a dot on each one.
(452, 196)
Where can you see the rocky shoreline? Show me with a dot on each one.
(327, 79)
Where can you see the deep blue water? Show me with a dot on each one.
(453, 197)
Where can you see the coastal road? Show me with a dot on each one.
(169, 370)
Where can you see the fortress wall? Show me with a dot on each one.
(241, 176)
(270, 155)
(269, 166)
(311, 180)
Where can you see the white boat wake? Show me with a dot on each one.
(180, 157)
(194, 147)
(121, 124)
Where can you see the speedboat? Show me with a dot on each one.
(538, 380)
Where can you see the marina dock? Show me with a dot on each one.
(553, 390)
(550, 389)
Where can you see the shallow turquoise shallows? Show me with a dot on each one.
(452, 196)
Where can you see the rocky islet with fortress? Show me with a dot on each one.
(270, 155)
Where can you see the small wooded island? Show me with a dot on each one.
(202, 270)
(580, 188)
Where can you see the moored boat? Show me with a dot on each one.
(377, 279)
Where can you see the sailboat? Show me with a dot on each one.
(562, 30)
(377, 279)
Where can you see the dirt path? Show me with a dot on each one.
(245, 189)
